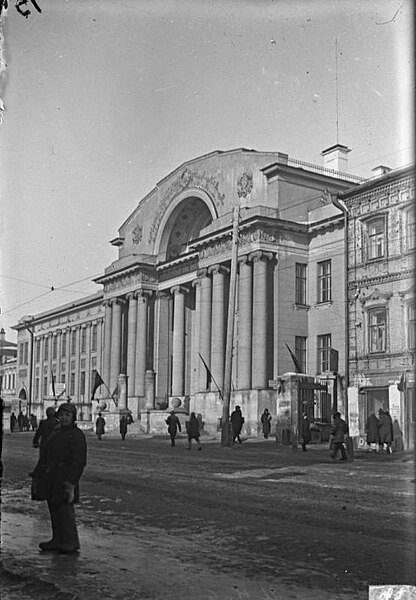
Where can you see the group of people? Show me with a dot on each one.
(380, 433)
(23, 422)
(126, 419)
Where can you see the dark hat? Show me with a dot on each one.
(68, 407)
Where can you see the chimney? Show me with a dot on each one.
(335, 158)
(380, 170)
(2, 335)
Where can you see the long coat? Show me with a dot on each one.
(100, 426)
(266, 422)
(192, 428)
(385, 428)
(237, 421)
(339, 429)
(305, 430)
(65, 457)
(372, 430)
(173, 424)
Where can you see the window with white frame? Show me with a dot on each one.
(323, 350)
(324, 281)
(300, 351)
(300, 283)
(410, 229)
(377, 330)
(376, 233)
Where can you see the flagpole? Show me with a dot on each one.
(226, 438)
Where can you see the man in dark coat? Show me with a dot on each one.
(13, 422)
(385, 430)
(65, 459)
(372, 431)
(100, 426)
(192, 428)
(237, 421)
(125, 421)
(173, 424)
(266, 419)
(338, 431)
(305, 431)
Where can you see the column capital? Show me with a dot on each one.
(163, 294)
(179, 289)
(196, 282)
(202, 272)
(131, 296)
(143, 293)
(245, 259)
(260, 255)
(215, 269)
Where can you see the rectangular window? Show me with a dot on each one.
(377, 330)
(300, 283)
(93, 363)
(324, 281)
(72, 384)
(83, 339)
(376, 238)
(26, 355)
(300, 351)
(63, 351)
(63, 378)
(324, 345)
(45, 386)
(82, 383)
(37, 387)
(410, 230)
(46, 356)
(94, 338)
(54, 347)
(411, 326)
(73, 342)
(37, 350)
(63, 367)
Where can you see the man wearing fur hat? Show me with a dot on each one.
(65, 458)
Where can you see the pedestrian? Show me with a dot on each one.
(125, 420)
(100, 426)
(13, 422)
(33, 422)
(65, 458)
(338, 431)
(46, 427)
(20, 420)
(237, 421)
(372, 431)
(192, 428)
(174, 425)
(266, 420)
(305, 431)
(26, 423)
(385, 430)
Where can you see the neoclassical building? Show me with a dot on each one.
(161, 316)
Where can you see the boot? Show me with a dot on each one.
(49, 546)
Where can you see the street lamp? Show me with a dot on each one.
(27, 322)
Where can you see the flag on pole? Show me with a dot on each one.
(115, 395)
(296, 362)
(209, 374)
(53, 384)
(96, 382)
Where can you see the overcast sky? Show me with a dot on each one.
(103, 98)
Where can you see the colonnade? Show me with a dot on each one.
(127, 318)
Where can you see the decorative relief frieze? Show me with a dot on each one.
(186, 180)
(137, 234)
(217, 248)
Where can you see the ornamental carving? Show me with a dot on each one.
(215, 249)
(128, 280)
(187, 179)
(244, 185)
(137, 234)
(259, 235)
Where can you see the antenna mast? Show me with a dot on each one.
(336, 86)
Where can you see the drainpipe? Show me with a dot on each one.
(338, 203)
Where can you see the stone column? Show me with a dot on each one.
(87, 393)
(141, 340)
(131, 342)
(178, 344)
(150, 389)
(205, 327)
(196, 361)
(259, 344)
(245, 315)
(122, 391)
(162, 341)
(218, 325)
(115, 343)
(107, 349)
(58, 355)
